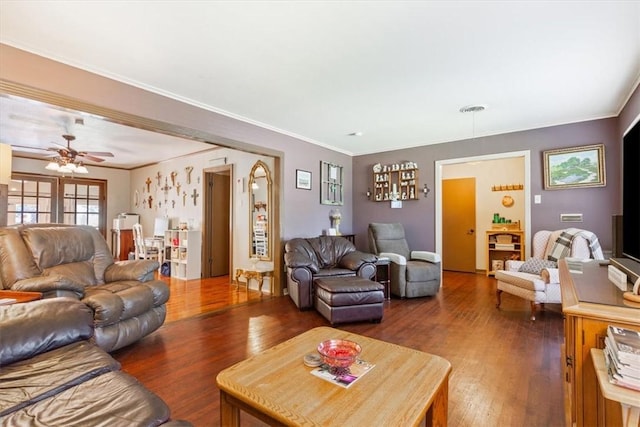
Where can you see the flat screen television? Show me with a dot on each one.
(630, 264)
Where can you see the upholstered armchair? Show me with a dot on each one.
(413, 273)
(537, 279)
(322, 257)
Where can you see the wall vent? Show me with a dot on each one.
(573, 217)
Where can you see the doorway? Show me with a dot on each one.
(524, 158)
(459, 224)
(216, 224)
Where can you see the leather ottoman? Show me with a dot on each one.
(349, 299)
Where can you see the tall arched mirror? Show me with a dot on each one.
(259, 209)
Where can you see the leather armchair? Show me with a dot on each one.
(413, 273)
(74, 261)
(326, 257)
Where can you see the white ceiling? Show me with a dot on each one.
(397, 71)
(33, 128)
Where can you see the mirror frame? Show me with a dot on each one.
(268, 210)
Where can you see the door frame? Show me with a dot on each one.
(207, 213)
(439, 164)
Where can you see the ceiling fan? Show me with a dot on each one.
(69, 160)
(68, 154)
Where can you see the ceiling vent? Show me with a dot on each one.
(472, 108)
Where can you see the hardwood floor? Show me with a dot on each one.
(506, 369)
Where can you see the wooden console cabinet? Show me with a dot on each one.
(590, 302)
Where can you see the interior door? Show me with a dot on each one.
(216, 245)
(459, 224)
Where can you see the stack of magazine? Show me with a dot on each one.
(622, 357)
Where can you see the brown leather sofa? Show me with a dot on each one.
(75, 261)
(51, 375)
(308, 259)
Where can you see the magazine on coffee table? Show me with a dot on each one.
(356, 371)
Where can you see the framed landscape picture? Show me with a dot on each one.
(574, 167)
(303, 179)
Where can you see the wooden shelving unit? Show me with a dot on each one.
(503, 245)
(399, 178)
(183, 250)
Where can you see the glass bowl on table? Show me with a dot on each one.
(339, 354)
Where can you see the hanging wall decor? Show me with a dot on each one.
(188, 170)
(184, 198)
(195, 196)
(148, 182)
(166, 189)
(331, 186)
(574, 167)
(158, 177)
(178, 188)
(173, 177)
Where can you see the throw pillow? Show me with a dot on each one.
(535, 265)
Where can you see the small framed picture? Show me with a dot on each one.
(303, 179)
(574, 167)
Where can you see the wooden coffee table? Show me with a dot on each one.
(405, 386)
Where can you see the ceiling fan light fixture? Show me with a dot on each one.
(65, 169)
(81, 169)
(53, 166)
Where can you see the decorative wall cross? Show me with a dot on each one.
(178, 188)
(188, 169)
(184, 198)
(173, 177)
(195, 196)
(166, 189)
(150, 199)
(173, 203)
(148, 182)
(158, 177)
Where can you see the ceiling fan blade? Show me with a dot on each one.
(97, 153)
(90, 157)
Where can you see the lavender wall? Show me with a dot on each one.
(301, 211)
(596, 204)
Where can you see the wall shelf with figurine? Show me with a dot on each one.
(398, 181)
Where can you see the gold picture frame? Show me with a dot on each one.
(575, 167)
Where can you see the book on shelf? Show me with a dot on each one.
(622, 357)
(621, 368)
(346, 380)
(626, 343)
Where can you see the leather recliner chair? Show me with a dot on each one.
(60, 260)
(413, 273)
(322, 257)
